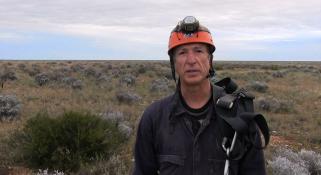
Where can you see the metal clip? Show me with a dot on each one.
(228, 151)
(225, 104)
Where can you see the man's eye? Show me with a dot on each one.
(181, 53)
(199, 51)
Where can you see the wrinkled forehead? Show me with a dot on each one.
(191, 46)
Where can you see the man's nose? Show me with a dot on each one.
(191, 57)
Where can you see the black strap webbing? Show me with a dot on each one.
(228, 84)
(240, 121)
(259, 119)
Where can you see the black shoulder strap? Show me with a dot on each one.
(259, 120)
(236, 109)
(227, 84)
(217, 92)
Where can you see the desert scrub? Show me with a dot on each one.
(287, 162)
(9, 107)
(68, 141)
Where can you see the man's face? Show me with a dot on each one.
(192, 63)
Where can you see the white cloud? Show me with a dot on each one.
(228, 15)
(144, 21)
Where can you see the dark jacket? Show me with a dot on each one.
(165, 144)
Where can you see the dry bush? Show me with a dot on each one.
(22, 66)
(161, 85)
(10, 107)
(34, 70)
(272, 104)
(90, 72)
(77, 68)
(6, 75)
(127, 97)
(287, 162)
(127, 80)
(105, 81)
(42, 79)
(77, 84)
(258, 86)
(278, 74)
(142, 69)
(164, 73)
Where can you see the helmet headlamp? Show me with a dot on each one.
(189, 24)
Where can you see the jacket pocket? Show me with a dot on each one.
(170, 164)
(217, 166)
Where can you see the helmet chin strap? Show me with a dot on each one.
(211, 72)
(172, 67)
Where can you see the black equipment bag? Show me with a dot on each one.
(236, 112)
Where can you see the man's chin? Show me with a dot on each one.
(193, 81)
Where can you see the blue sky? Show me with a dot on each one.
(289, 30)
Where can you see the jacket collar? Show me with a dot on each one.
(177, 110)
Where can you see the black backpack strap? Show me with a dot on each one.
(253, 120)
(227, 84)
(217, 92)
(226, 101)
(236, 116)
(237, 110)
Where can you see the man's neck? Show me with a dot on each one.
(196, 96)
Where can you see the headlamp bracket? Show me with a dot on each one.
(189, 25)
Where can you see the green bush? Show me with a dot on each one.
(68, 141)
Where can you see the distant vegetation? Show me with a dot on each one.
(117, 92)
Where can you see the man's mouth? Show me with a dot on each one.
(191, 71)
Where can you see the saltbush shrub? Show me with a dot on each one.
(77, 68)
(142, 69)
(90, 71)
(8, 75)
(77, 84)
(278, 74)
(9, 107)
(66, 142)
(127, 97)
(283, 166)
(42, 79)
(127, 80)
(118, 118)
(258, 86)
(274, 105)
(287, 162)
(160, 85)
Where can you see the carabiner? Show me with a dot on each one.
(228, 151)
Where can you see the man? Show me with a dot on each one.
(182, 134)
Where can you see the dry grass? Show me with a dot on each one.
(299, 125)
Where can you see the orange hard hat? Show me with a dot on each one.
(190, 31)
